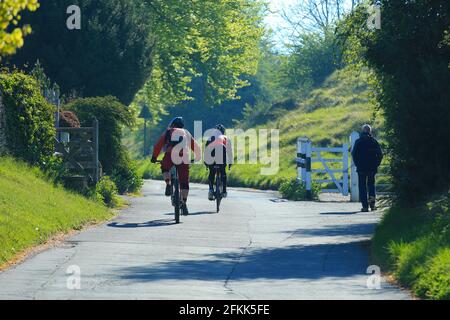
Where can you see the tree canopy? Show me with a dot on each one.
(110, 55)
(410, 58)
(11, 38)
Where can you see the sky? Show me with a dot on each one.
(276, 22)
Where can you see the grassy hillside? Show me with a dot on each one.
(327, 117)
(32, 210)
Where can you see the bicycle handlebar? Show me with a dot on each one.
(192, 161)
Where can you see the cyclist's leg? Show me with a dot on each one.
(211, 181)
(211, 177)
(183, 176)
(166, 165)
(223, 172)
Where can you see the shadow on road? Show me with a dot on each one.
(340, 213)
(195, 213)
(292, 262)
(149, 224)
(355, 229)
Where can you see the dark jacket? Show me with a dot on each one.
(367, 154)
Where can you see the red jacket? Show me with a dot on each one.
(171, 138)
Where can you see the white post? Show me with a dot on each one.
(345, 171)
(354, 174)
(299, 153)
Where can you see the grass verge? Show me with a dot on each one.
(414, 245)
(34, 210)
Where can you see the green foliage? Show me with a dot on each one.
(112, 116)
(29, 119)
(215, 41)
(296, 190)
(313, 58)
(110, 55)
(106, 191)
(414, 244)
(410, 60)
(33, 209)
(125, 175)
(11, 36)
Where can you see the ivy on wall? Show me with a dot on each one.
(29, 119)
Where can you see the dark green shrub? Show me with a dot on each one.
(126, 176)
(112, 116)
(106, 191)
(412, 88)
(30, 120)
(296, 190)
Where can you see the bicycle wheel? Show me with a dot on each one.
(218, 192)
(176, 200)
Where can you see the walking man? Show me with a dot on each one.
(367, 156)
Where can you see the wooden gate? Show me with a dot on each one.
(79, 149)
(325, 171)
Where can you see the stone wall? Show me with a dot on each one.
(2, 128)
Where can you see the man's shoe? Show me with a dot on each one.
(365, 210)
(184, 209)
(373, 207)
(168, 190)
(211, 195)
(225, 194)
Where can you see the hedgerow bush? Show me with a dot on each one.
(126, 176)
(30, 120)
(296, 190)
(112, 116)
(106, 191)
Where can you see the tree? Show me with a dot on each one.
(214, 41)
(110, 55)
(11, 40)
(313, 58)
(410, 61)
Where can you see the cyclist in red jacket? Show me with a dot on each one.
(178, 144)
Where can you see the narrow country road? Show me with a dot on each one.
(258, 248)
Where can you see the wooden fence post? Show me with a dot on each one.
(354, 174)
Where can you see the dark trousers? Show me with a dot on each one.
(212, 176)
(367, 184)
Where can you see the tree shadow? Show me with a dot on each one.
(195, 213)
(149, 224)
(292, 262)
(354, 229)
(340, 213)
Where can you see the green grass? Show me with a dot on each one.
(414, 245)
(328, 116)
(32, 209)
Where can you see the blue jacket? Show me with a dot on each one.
(367, 154)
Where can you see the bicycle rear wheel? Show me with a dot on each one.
(177, 201)
(218, 192)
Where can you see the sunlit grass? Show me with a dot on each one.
(32, 209)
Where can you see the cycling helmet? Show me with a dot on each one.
(221, 128)
(177, 122)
